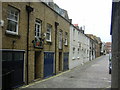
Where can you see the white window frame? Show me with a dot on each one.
(38, 23)
(10, 9)
(49, 31)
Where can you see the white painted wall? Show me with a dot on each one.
(80, 43)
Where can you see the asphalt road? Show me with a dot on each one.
(93, 74)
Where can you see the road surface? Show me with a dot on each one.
(93, 74)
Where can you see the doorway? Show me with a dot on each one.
(60, 61)
(37, 64)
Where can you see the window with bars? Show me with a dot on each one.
(48, 33)
(13, 19)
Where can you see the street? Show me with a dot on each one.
(93, 74)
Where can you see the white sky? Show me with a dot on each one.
(94, 14)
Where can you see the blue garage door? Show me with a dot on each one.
(12, 69)
(66, 57)
(48, 64)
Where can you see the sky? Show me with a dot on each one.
(95, 15)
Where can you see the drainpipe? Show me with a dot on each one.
(56, 25)
(29, 10)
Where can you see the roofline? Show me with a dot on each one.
(56, 12)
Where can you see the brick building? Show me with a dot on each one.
(35, 42)
(108, 47)
(96, 45)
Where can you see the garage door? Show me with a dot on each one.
(48, 64)
(66, 55)
(12, 68)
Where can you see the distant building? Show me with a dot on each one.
(103, 49)
(108, 47)
(96, 45)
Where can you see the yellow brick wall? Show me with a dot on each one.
(45, 14)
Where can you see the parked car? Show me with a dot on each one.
(110, 63)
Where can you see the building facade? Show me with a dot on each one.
(92, 49)
(79, 47)
(103, 49)
(35, 41)
(96, 45)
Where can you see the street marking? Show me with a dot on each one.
(31, 84)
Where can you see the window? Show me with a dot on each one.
(78, 35)
(38, 28)
(78, 50)
(66, 38)
(73, 53)
(48, 33)
(73, 34)
(60, 40)
(13, 19)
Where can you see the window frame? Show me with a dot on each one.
(49, 31)
(66, 39)
(60, 39)
(10, 9)
(73, 53)
(38, 23)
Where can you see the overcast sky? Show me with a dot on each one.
(94, 14)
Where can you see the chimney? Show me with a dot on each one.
(76, 25)
(70, 20)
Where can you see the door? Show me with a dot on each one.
(66, 58)
(12, 69)
(60, 61)
(37, 64)
(48, 64)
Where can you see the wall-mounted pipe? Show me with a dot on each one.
(29, 10)
(56, 25)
